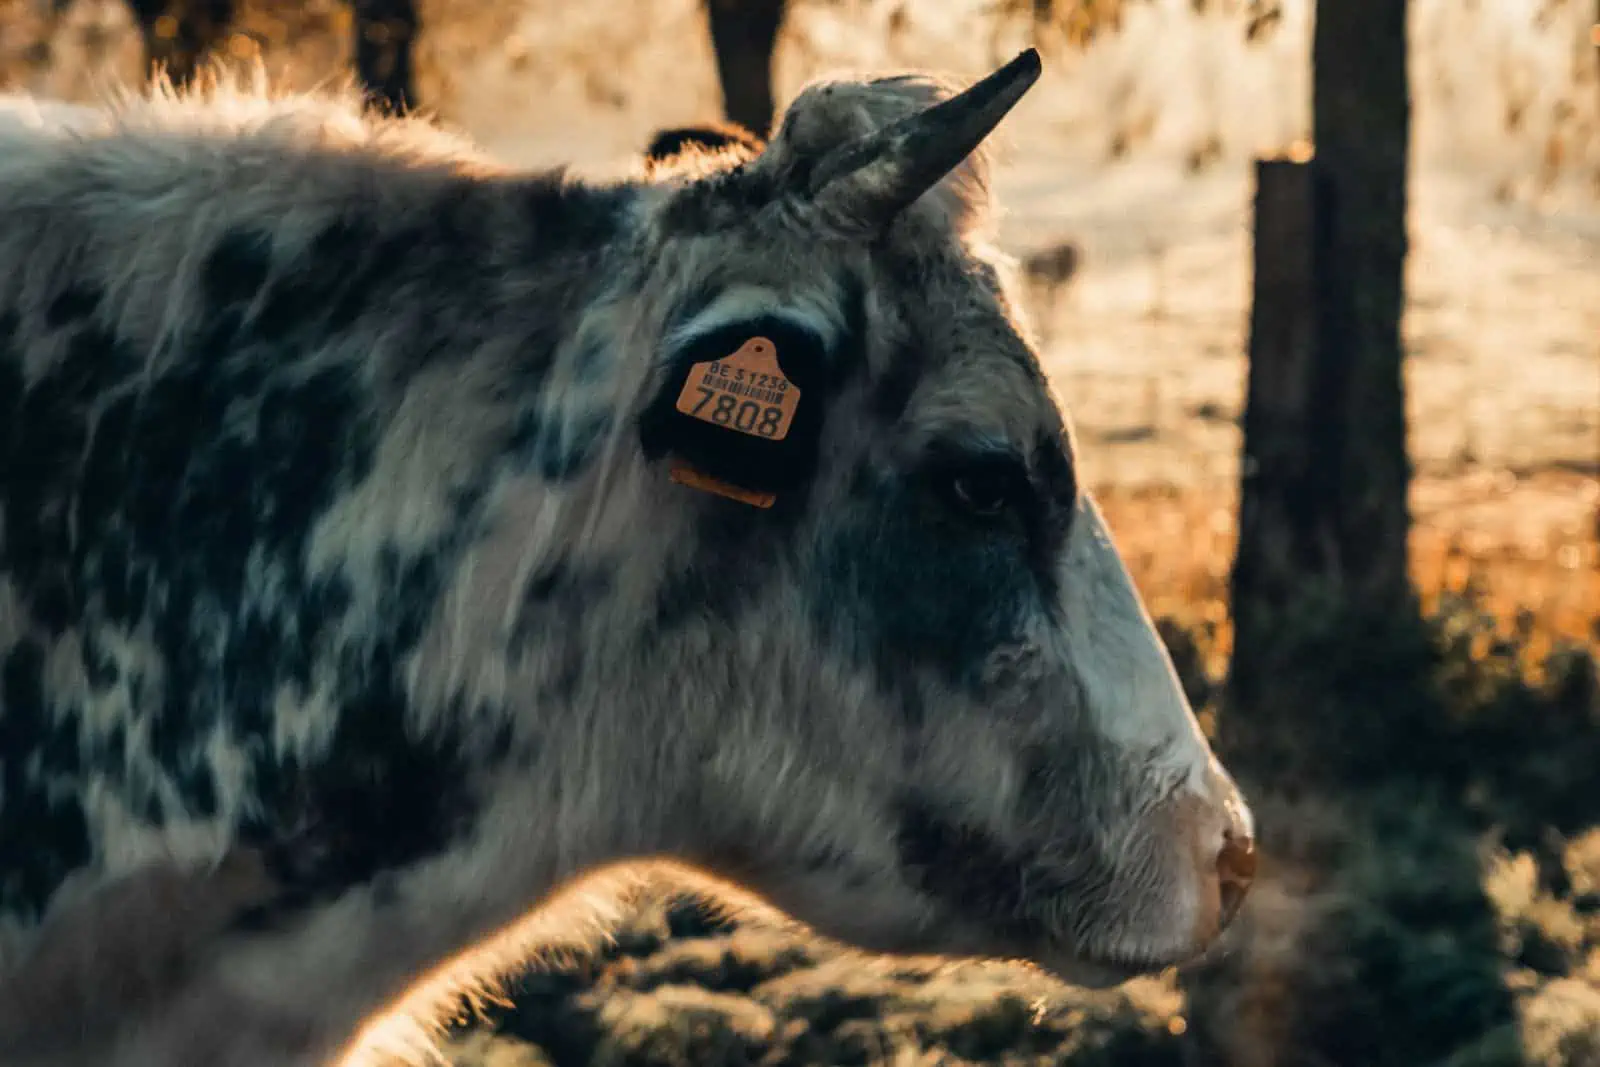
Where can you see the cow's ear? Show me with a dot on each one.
(722, 141)
(862, 152)
(739, 408)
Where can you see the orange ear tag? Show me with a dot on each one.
(683, 474)
(747, 393)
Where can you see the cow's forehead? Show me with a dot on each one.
(969, 368)
(982, 388)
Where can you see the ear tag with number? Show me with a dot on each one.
(747, 393)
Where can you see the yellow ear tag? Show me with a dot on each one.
(746, 392)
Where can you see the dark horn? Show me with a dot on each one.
(874, 179)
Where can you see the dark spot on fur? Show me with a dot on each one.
(22, 682)
(698, 594)
(696, 300)
(892, 392)
(237, 268)
(10, 369)
(41, 447)
(51, 603)
(344, 821)
(738, 553)
(555, 601)
(302, 298)
(43, 833)
(721, 201)
(1056, 478)
(591, 363)
(74, 303)
(961, 865)
(558, 445)
(847, 360)
(99, 666)
(192, 497)
(385, 890)
(275, 914)
(912, 704)
(374, 269)
(381, 796)
(564, 219)
(545, 584)
(903, 584)
(550, 623)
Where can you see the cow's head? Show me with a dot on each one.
(931, 713)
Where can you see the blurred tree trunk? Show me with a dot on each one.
(386, 33)
(1324, 516)
(744, 34)
(178, 33)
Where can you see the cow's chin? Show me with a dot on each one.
(1137, 927)
(892, 918)
(1146, 934)
(1100, 967)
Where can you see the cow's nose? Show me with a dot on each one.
(1236, 869)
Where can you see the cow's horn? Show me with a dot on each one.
(871, 180)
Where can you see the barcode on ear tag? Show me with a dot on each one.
(746, 392)
(683, 474)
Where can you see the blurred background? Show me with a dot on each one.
(1427, 775)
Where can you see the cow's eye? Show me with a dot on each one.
(982, 494)
(986, 486)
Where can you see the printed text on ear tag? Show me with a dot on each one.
(746, 391)
(684, 474)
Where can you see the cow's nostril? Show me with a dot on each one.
(1236, 869)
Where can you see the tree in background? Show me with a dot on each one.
(1322, 601)
(1361, 126)
(178, 34)
(386, 34)
(744, 35)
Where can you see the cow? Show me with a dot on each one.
(397, 550)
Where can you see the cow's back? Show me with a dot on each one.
(211, 313)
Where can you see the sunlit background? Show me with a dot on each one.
(1440, 927)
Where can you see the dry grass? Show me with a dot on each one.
(1179, 546)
